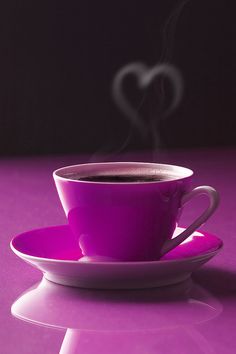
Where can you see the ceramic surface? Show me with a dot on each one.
(56, 252)
(129, 221)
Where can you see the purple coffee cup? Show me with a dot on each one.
(132, 216)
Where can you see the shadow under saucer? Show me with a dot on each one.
(219, 281)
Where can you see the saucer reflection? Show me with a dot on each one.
(138, 319)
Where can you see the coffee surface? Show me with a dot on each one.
(121, 178)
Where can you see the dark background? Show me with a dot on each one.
(58, 59)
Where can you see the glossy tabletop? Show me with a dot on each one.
(197, 316)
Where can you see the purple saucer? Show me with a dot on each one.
(55, 251)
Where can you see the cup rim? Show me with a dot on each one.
(181, 172)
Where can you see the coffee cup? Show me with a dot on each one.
(128, 211)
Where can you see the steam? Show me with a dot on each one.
(169, 31)
(149, 128)
(145, 77)
(104, 154)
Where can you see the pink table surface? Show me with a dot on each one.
(29, 200)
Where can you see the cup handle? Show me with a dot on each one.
(214, 201)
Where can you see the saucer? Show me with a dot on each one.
(55, 251)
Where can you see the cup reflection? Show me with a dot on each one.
(132, 321)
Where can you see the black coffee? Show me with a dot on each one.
(121, 178)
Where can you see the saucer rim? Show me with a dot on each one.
(115, 263)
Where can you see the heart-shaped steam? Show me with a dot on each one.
(145, 76)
